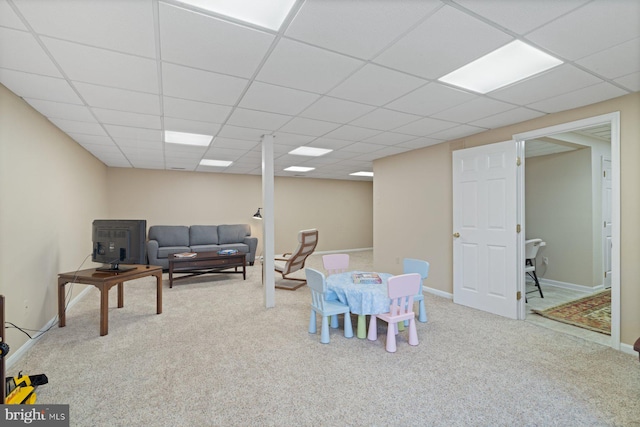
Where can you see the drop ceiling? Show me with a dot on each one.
(358, 77)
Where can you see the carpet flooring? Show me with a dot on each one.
(592, 312)
(217, 357)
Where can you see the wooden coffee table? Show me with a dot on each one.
(206, 263)
(105, 281)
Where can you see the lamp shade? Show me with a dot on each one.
(257, 215)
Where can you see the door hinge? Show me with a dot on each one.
(518, 228)
(518, 296)
(604, 174)
(605, 274)
(518, 161)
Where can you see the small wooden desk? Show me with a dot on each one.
(105, 281)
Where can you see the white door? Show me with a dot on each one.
(484, 228)
(606, 220)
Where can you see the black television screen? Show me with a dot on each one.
(119, 241)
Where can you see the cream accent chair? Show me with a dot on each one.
(288, 263)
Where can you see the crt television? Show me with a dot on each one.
(119, 241)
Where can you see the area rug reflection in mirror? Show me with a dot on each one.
(592, 312)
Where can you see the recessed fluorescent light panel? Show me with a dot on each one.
(220, 163)
(510, 63)
(298, 169)
(264, 13)
(310, 151)
(187, 138)
(362, 173)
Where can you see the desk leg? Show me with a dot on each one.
(104, 310)
(120, 294)
(159, 293)
(362, 326)
(62, 315)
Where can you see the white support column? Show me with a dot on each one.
(268, 234)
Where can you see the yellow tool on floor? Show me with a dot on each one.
(22, 388)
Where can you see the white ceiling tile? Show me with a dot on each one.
(195, 110)
(376, 85)
(584, 96)
(133, 133)
(104, 67)
(277, 99)
(219, 153)
(260, 119)
(125, 27)
(132, 144)
(304, 67)
(352, 133)
(191, 126)
(119, 99)
(389, 138)
(383, 119)
(424, 127)
(124, 118)
(564, 78)
(597, 25)
(137, 152)
(239, 144)
(336, 110)
(310, 127)
(34, 86)
(72, 126)
(429, 99)
(363, 147)
(61, 110)
(457, 132)
(475, 109)
(239, 132)
(20, 51)
(440, 44)
(516, 115)
(615, 62)
(292, 139)
(356, 27)
(333, 144)
(8, 17)
(630, 81)
(198, 85)
(201, 41)
(522, 16)
(179, 151)
(420, 143)
(92, 139)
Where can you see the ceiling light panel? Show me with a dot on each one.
(268, 14)
(298, 169)
(310, 151)
(187, 138)
(362, 173)
(217, 163)
(510, 63)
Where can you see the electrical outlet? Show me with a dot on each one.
(545, 260)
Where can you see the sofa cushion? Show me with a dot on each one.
(203, 235)
(240, 247)
(234, 233)
(170, 235)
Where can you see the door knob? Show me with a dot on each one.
(456, 235)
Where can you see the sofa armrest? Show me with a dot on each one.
(252, 242)
(152, 252)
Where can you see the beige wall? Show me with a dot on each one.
(399, 230)
(340, 210)
(50, 190)
(558, 200)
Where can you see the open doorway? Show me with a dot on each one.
(568, 205)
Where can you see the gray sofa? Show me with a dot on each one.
(172, 239)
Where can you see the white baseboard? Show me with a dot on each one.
(18, 354)
(438, 292)
(628, 348)
(571, 286)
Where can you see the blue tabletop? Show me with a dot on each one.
(361, 298)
